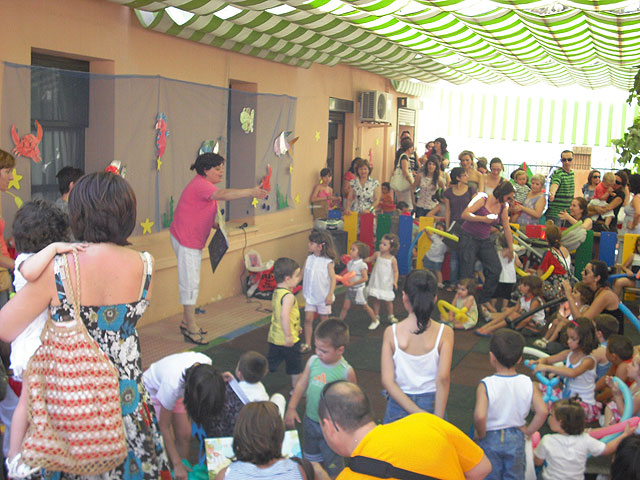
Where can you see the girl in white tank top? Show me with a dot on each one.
(416, 353)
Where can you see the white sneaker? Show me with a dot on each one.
(374, 325)
(392, 319)
(17, 469)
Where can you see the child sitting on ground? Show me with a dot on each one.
(36, 227)
(434, 257)
(326, 366)
(503, 402)
(355, 290)
(464, 298)
(284, 330)
(251, 369)
(530, 288)
(620, 354)
(600, 197)
(564, 453)
(583, 297)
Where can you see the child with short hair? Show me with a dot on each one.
(43, 228)
(319, 282)
(508, 279)
(531, 288)
(355, 289)
(564, 453)
(519, 182)
(503, 401)
(384, 276)
(284, 330)
(403, 208)
(606, 325)
(434, 257)
(326, 366)
(600, 196)
(386, 204)
(250, 370)
(612, 412)
(620, 354)
(465, 298)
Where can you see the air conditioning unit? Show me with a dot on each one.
(375, 106)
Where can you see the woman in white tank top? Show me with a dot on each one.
(416, 354)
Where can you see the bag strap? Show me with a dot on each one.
(381, 469)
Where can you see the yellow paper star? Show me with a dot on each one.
(254, 202)
(317, 135)
(297, 199)
(15, 182)
(377, 141)
(147, 225)
(291, 168)
(159, 162)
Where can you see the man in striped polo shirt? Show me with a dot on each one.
(561, 189)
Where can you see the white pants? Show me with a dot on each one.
(189, 263)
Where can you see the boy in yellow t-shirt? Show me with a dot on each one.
(284, 331)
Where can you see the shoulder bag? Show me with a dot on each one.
(398, 181)
(75, 416)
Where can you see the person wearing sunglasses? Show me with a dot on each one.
(420, 443)
(614, 203)
(589, 188)
(561, 189)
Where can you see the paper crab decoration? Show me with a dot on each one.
(27, 146)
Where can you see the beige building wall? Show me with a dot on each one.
(111, 38)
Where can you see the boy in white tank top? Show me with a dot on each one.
(503, 402)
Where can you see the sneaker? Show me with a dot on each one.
(541, 343)
(374, 325)
(17, 469)
(392, 319)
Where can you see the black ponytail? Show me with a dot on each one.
(421, 287)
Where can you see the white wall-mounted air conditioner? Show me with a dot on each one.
(376, 106)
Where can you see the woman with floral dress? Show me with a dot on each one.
(114, 282)
(364, 194)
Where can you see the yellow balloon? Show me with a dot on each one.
(548, 273)
(444, 307)
(442, 234)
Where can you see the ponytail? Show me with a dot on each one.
(421, 288)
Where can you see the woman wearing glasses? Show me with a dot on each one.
(615, 201)
(589, 188)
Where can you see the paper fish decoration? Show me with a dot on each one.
(209, 146)
(281, 145)
(161, 134)
(27, 146)
(246, 119)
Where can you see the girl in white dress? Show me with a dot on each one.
(384, 277)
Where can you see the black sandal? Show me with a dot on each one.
(194, 337)
(184, 329)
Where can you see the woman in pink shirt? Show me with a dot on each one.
(193, 220)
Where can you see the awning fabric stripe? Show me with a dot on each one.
(586, 42)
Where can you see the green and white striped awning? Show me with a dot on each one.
(586, 42)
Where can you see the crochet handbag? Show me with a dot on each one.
(398, 181)
(75, 417)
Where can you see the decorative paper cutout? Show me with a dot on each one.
(27, 146)
(15, 183)
(265, 183)
(317, 136)
(209, 146)
(377, 142)
(161, 137)
(168, 219)
(281, 145)
(254, 202)
(16, 199)
(146, 226)
(283, 202)
(291, 168)
(297, 199)
(246, 119)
